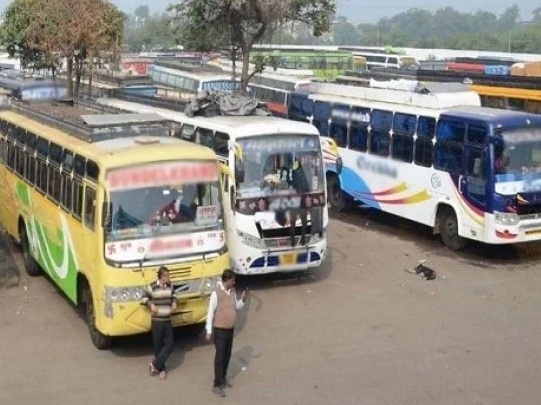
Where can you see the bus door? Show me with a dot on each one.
(475, 172)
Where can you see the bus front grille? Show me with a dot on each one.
(180, 274)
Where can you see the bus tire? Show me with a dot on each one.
(337, 198)
(31, 266)
(448, 224)
(99, 340)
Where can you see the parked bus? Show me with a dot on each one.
(100, 201)
(274, 90)
(277, 178)
(326, 64)
(384, 60)
(438, 159)
(172, 76)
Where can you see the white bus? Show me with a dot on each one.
(191, 82)
(276, 205)
(384, 60)
(438, 159)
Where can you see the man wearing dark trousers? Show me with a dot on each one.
(159, 295)
(221, 317)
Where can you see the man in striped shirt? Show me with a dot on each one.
(159, 296)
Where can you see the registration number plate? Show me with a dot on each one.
(290, 258)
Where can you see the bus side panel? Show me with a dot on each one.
(9, 203)
(50, 238)
(388, 186)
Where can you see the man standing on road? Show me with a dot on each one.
(221, 318)
(163, 303)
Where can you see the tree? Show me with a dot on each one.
(73, 30)
(243, 23)
(14, 35)
(156, 31)
(142, 13)
(345, 33)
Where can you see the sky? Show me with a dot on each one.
(370, 10)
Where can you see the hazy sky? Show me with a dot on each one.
(372, 10)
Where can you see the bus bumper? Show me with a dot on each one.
(132, 318)
(265, 261)
(526, 230)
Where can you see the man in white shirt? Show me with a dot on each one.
(221, 317)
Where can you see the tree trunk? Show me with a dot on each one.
(90, 71)
(245, 76)
(69, 73)
(78, 73)
(234, 63)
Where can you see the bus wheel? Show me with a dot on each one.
(338, 200)
(31, 266)
(98, 339)
(449, 230)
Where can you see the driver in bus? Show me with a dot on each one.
(173, 213)
(501, 163)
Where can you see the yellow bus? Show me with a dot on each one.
(528, 100)
(100, 201)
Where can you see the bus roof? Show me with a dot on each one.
(495, 116)
(438, 98)
(110, 151)
(236, 126)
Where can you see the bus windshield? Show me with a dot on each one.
(519, 152)
(281, 164)
(164, 210)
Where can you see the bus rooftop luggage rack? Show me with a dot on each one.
(91, 122)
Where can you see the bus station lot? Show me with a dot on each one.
(361, 331)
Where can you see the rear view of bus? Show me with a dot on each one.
(279, 205)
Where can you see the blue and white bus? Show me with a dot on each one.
(438, 159)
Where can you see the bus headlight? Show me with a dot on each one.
(210, 284)
(124, 294)
(250, 240)
(509, 219)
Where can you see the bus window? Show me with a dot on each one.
(402, 143)
(54, 184)
(358, 136)
(205, 137)
(322, 113)
(477, 134)
(339, 128)
(42, 147)
(11, 155)
(42, 176)
(449, 130)
(21, 161)
(77, 199)
(222, 144)
(55, 153)
(90, 207)
(300, 107)
(448, 156)
(426, 127)
(188, 133)
(30, 167)
(92, 170)
(67, 192)
(380, 138)
(3, 150)
(79, 165)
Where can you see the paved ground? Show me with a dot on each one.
(363, 331)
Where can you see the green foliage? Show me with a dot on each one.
(148, 33)
(14, 34)
(206, 25)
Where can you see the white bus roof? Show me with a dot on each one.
(236, 126)
(439, 99)
(196, 75)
